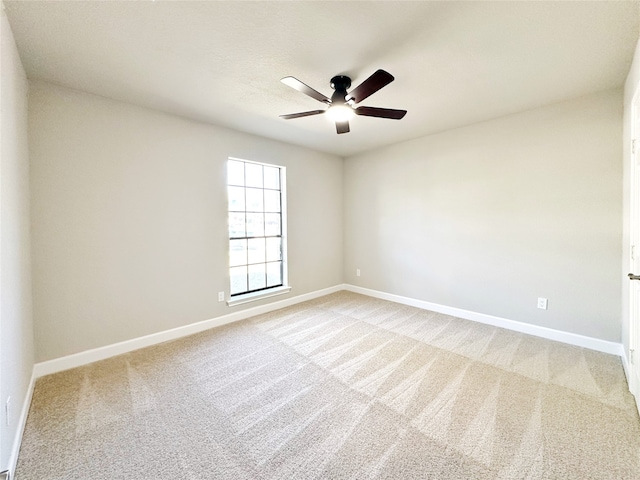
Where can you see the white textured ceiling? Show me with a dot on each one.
(455, 63)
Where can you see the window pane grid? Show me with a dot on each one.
(255, 227)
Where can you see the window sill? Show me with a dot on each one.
(252, 297)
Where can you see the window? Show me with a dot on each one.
(256, 226)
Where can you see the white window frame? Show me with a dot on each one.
(269, 291)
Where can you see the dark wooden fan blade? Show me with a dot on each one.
(301, 114)
(306, 89)
(380, 112)
(342, 127)
(371, 85)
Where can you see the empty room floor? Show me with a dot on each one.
(343, 386)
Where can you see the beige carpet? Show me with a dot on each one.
(345, 386)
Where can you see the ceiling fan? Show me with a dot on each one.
(341, 104)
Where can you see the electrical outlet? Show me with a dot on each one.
(542, 303)
(357, 272)
(221, 296)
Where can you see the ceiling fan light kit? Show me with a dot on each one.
(341, 104)
(340, 113)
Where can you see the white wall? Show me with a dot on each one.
(16, 326)
(129, 218)
(491, 216)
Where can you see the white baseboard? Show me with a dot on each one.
(89, 356)
(544, 332)
(22, 422)
(101, 353)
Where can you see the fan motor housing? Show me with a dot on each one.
(340, 83)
